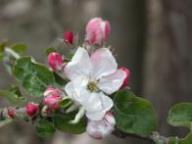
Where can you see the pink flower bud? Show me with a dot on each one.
(102, 128)
(52, 97)
(97, 31)
(55, 61)
(69, 37)
(32, 109)
(126, 80)
(11, 112)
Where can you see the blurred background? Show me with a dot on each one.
(153, 38)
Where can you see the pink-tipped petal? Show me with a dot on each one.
(102, 128)
(107, 29)
(111, 83)
(126, 80)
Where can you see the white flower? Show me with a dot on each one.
(92, 77)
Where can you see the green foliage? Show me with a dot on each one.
(2, 45)
(59, 81)
(62, 123)
(185, 140)
(34, 77)
(133, 114)
(14, 96)
(181, 115)
(44, 127)
(19, 48)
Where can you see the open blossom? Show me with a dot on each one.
(102, 128)
(52, 97)
(68, 37)
(55, 61)
(92, 77)
(32, 109)
(97, 31)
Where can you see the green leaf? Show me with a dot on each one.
(2, 49)
(181, 115)
(186, 140)
(14, 96)
(59, 81)
(62, 123)
(45, 128)
(34, 77)
(173, 140)
(19, 48)
(133, 114)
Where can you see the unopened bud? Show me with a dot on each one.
(52, 97)
(68, 37)
(102, 128)
(97, 31)
(32, 109)
(55, 61)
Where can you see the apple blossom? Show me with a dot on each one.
(126, 80)
(32, 109)
(68, 37)
(97, 31)
(102, 128)
(55, 61)
(52, 97)
(92, 77)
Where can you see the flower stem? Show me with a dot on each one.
(12, 53)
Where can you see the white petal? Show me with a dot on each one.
(76, 89)
(103, 63)
(93, 103)
(113, 82)
(99, 113)
(79, 65)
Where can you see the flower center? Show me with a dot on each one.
(92, 86)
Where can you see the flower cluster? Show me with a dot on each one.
(91, 77)
(82, 89)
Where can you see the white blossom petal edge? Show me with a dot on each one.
(91, 78)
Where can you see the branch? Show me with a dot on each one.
(155, 137)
